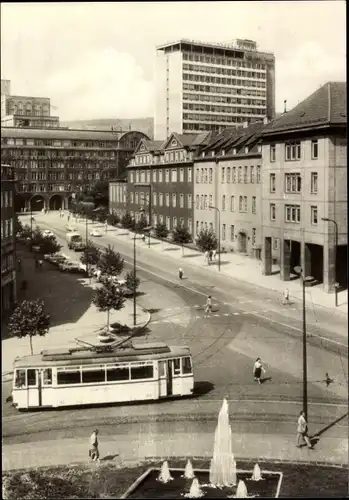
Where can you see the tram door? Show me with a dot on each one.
(33, 388)
(165, 378)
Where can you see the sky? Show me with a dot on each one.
(96, 60)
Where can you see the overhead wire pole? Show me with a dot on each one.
(304, 280)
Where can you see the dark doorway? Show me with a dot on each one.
(242, 243)
(19, 203)
(70, 201)
(342, 266)
(37, 203)
(56, 202)
(317, 262)
(295, 259)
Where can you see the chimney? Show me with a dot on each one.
(265, 120)
(285, 110)
(245, 125)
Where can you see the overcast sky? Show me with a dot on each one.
(96, 60)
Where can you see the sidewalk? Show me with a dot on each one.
(72, 314)
(242, 268)
(134, 447)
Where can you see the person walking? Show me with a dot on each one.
(180, 273)
(214, 254)
(302, 431)
(206, 256)
(257, 370)
(286, 297)
(210, 256)
(208, 307)
(93, 450)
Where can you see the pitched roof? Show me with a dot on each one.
(59, 133)
(326, 106)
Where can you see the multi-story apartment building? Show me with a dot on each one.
(227, 176)
(51, 165)
(160, 181)
(305, 181)
(204, 86)
(8, 256)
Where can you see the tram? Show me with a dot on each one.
(91, 376)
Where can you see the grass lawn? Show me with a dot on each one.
(108, 480)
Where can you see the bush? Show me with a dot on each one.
(207, 240)
(127, 221)
(161, 230)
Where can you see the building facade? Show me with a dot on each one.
(208, 87)
(160, 181)
(8, 255)
(52, 165)
(305, 181)
(227, 176)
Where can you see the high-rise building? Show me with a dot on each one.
(208, 87)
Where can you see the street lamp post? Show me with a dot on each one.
(219, 235)
(335, 257)
(149, 186)
(134, 282)
(304, 279)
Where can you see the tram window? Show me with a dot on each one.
(20, 378)
(145, 371)
(176, 366)
(48, 376)
(186, 367)
(118, 373)
(93, 376)
(31, 374)
(161, 368)
(67, 378)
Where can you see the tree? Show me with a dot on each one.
(206, 240)
(25, 232)
(132, 282)
(108, 297)
(18, 226)
(110, 263)
(161, 230)
(181, 235)
(29, 319)
(113, 219)
(127, 221)
(101, 214)
(49, 245)
(142, 223)
(91, 255)
(99, 192)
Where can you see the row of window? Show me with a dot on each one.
(293, 151)
(224, 99)
(158, 199)
(224, 71)
(171, 222)
(225, 118)
(223, 108)
(224, 81)
(204, 202)
(58, 143)
(59, 176)
(6, 199)
(168, 157)
(293, 213)
(223, 61)
(239, 175)
(52, 154)
(157, 175)
(6, 228)
(195, 87)
(293, 183)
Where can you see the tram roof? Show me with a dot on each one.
(88, 356)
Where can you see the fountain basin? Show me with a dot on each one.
(147, 485)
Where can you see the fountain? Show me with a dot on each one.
(189, 471)
(165, 475)
(223, 465)
(256, 475)
(241, 490)
(195, 490)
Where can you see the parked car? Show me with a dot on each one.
(47, 233)
(95, 233)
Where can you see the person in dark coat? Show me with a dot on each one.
(257, 370)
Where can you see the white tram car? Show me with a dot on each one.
(85, 376)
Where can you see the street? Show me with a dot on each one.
(224, 347)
